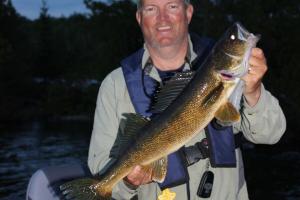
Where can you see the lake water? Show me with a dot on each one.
(24, 148)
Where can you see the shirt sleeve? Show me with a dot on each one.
(104, 134)
(105, 126)
(264, 123)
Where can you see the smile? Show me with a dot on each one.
(164, 28)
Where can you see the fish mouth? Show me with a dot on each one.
(243, 33)
(251, 41)
(227, 76)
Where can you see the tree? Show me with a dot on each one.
(115, 33)
(14, 74)
(45, 65)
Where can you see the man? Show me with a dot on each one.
(164, 24)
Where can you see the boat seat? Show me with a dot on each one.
(44, 183)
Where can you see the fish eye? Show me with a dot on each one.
(232, 37)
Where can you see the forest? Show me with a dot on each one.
(52, 67)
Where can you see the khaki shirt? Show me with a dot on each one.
(262, 124)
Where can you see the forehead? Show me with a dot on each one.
(147, 2)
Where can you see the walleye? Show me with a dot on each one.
(185, 105)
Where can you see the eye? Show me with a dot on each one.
(149, 10)
(232, 37)
(173, 6)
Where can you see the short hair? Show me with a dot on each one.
(139, 3)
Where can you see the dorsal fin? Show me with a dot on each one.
(127, 134)
(167, 93)
(134, 122)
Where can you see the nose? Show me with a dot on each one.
(163, 14)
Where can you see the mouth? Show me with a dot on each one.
(227, 76)
(164, 28)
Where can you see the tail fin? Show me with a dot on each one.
(82, 189)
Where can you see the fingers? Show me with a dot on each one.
(139, 176)
(256, 71)
(257, 62)
(257, 52)
(257, 65)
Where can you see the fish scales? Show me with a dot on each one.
(169, 134)
(204, 97)
(184, 125)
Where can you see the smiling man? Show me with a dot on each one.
(165, 29)
(169, 48)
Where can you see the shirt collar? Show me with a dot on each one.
(191, 54)
(153, 73)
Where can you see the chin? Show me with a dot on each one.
(165, 42)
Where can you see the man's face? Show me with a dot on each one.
(164, 22)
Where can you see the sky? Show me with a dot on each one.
(57, 8)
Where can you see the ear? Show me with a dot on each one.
(138, 17)
(189, 12)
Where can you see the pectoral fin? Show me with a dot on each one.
(227, 113)
(158, 168)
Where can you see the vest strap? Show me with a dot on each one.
(200, 150)
(177, 169)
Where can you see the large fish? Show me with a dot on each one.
(186, 105)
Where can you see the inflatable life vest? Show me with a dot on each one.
(221, 140)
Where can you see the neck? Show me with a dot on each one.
(169, 58)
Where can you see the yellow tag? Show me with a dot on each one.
(167, 195)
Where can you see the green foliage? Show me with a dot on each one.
(278, 23)
(112, 28)
(14, 71)
(40, 60)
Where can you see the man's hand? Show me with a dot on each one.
(258, 67)
(139, 176)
